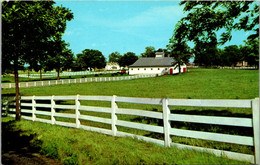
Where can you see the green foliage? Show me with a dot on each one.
(72, 160)
(61, 59)
(149, 52)
(251, 52)
(29, 30)
(181, 52)
(51, 150)
(114, 57)
(231, 55)
(91, 58)
(127, 59)
(205, 18)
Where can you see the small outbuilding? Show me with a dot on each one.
(112, 66)
(155, 65)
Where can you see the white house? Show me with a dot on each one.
(155, 65)
(112, 66)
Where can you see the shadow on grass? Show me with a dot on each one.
(14, 139)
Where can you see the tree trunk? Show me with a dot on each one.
(58, 76)
(179, 65)
(17, 114)
(40, 74)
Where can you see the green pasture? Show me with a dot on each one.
(76, 146)
(196, 84)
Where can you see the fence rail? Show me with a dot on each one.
(48, 75)
(31, 109)
(72, 81)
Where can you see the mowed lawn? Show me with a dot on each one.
(196, 84)
(93, 148)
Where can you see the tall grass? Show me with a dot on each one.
(75, 146)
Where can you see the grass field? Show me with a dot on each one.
(196, 84)
(92, 148)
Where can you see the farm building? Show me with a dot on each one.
(112, 66)
(155, 65)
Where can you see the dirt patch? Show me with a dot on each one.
(14, 158)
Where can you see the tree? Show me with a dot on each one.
(114, 57)
(231, 55)
(251, 52)
(90, 58)
(206, 54)
(63, 59)
(149, 52)
(205, 18)
(180, 52)
(127, 59)
(28, 28)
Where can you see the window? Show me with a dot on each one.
(166, 68)
(138, 69)
(132, 69)
(158, 68)
(151, 68)
(144, 68)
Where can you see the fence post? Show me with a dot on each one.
(69, 81)
(42, 83)
(10, 85)
(35, 84)
(77, 102)
(52, 110)
(33, 108)
(113, 115)
(49, 82)
(255, 113)
(166, 123)
(27, 84)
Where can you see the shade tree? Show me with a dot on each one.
(28, 28)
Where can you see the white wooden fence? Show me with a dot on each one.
(166, 116)
(72, 81)
(46, 75)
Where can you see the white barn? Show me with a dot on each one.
(155, 65)
(112, 66)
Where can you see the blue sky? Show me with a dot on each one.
(124, 26)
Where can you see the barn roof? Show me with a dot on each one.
(154, 62)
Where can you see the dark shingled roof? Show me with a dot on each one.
(151, 61)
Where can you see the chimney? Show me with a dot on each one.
(159, 55)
